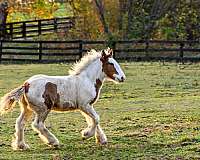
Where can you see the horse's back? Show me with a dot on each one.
(41, 85)
(42, 77)
(37, 83)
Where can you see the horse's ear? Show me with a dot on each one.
(110, 52)
(104, 56)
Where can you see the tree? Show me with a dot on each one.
(101, 14)
(156, 10)
(3, 17)
(119, 19)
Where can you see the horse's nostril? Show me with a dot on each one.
(122, 79)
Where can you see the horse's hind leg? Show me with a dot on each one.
(45, 135)
(19, 143)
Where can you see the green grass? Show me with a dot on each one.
(155, 114)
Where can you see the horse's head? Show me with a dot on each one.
(110, 66)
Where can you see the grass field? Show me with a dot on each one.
(155, 114)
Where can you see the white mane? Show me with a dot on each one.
(85, 61)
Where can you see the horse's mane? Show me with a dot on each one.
(85, 61)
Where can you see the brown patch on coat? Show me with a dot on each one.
(97, 85)
(50, 95)
(109, 69)
(26, 86)
(66, 106)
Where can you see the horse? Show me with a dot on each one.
(79, 90)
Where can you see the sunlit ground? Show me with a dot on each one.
(155, 114)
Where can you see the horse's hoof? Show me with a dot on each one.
(101, 140)
(83, 138)
(54, 145)
(20, 146)
(103, 143)
(86, 134)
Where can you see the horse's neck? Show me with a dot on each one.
(94, 71)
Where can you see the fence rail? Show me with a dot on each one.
(33, 28)
(63, 51)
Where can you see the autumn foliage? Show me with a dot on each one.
(117, 19)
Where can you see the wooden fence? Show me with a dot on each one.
(33, 28)
(65, 51)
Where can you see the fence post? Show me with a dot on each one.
(55, 24)
(147, 48)
(39, 27)
(40, 50)
(80, 49)
(1, 45)
(181, 54)
(72, 22)
(11, 30)
(23, 29)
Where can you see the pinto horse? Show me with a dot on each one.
(41, 94)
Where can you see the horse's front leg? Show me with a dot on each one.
(92, 119)
(100, 136)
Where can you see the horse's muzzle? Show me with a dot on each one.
(121, 79)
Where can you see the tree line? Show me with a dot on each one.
(117, 19)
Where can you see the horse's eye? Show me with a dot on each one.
(110, 63)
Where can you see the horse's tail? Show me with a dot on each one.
(8, 101)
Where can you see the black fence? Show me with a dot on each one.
(65, 51)
(33, 28)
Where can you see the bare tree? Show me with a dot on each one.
(3, 18)
(101, 13)
(130, 16)
(125, 6)
(120, 18)
(158, 10)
